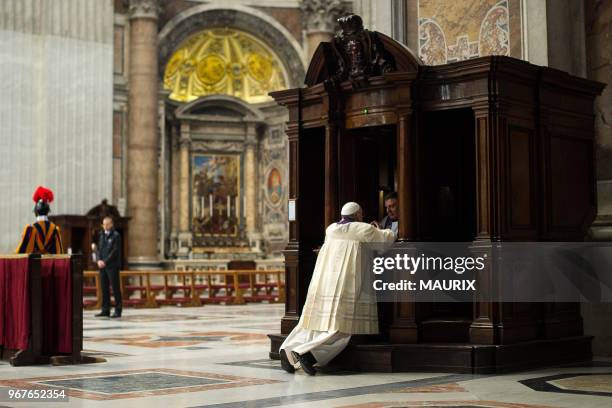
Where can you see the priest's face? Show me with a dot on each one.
(391, 207)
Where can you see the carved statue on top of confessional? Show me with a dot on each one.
(359, 53)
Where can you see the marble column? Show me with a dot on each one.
(184, 237)
(143, 144)
(250, 181)
(175, 189)
(320, 19)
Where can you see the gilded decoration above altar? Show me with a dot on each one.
(224, 61)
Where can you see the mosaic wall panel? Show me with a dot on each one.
(451, 31)
(274, 187)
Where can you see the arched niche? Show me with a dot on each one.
(245, 139)
(247, 19)
(224, 61)
(220, 106)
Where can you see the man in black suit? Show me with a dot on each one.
(109, 263)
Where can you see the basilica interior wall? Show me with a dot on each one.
(273, 159)
(598, 28)
(120, 107)
(543, 32)
(566, 36)
(290, 18)
(225, 129)
(57, 121)
(450, 31)
(286, 12)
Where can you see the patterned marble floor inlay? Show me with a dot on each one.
(576, 383)
(135, 383)
(349, 391)
(216, 356)
(438, 388)
(591, 383)
(443, 404)
(180, 339)
(121, 384)
(263, 363)
(165, 317)
(99, 327)
(103, 354)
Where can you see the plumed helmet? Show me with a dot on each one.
(42, 197)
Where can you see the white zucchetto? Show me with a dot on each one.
(350, 208)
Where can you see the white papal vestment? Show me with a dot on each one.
(336, 307)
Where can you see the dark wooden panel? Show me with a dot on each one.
(448, 176)
(521, 172)
(571, 181)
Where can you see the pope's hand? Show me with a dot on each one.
(374, 223)
(101, 264)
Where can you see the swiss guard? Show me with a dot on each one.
(43, 236)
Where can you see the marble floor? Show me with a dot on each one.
(216, 356)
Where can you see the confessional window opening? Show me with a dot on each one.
(367, 168)
(449, 176)
(78, 244)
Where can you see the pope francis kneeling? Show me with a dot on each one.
(335, 307)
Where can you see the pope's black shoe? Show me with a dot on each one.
(103, 314)
(115, 315)
(285, 364)
(307, 361)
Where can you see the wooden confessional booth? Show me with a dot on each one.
(483, 150)
(80, 231)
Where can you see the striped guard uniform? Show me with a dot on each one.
(42, 237)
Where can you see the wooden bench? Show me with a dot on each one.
(190, 288)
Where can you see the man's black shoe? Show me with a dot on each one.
(307, 361)
(103, 314)
(115, 315)
(285, 364)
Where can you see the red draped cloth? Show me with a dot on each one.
(14, 303)
(15, 313)
(57, 305)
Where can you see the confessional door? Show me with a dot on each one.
(366, 172)
(447, 212)
(310, 204)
